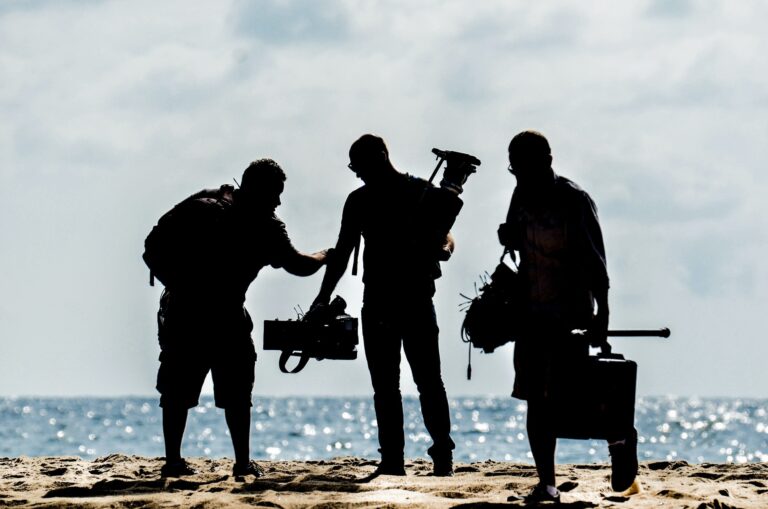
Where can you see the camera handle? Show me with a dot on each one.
(440, 156)
(287, 354)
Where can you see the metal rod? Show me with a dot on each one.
(439, 164)
(661, 333)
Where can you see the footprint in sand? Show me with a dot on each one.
(53, 472)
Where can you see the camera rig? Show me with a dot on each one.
(460, 166)
(324, 332)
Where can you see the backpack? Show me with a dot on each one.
(177, 248)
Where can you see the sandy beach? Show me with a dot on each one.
(133, 481)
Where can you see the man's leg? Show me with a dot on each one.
(179, 381)
(382, 353)
(421, 345)
(174, 423)
(239, 423)
(233, 376)
(624, 466)
(542, 439)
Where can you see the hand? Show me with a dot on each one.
(319, 302)
(504, 234)
(324, 256)
(446, 250)
(597, 333)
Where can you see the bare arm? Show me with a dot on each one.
(337, 262)
(594, 263)
(336, 266)
(301, 264)
(285, 256)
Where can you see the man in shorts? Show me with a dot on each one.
(553, 224)
(223, 237)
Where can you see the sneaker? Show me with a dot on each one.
(540, 493)
(624, 462)
(250, 468)
(176, 468)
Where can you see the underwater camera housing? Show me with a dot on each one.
(325, 332)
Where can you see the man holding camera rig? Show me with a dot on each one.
(405, 222)
(206, 251)
(553, 224)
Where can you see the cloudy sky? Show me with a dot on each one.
(112, 111)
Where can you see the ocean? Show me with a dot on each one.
(697, 430)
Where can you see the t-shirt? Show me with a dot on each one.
(404, 223)
(227, 246)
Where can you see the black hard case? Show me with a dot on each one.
(598, 402)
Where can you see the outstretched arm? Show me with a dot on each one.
(301, 264)
(284, 255)
(337, 261)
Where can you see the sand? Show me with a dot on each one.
(134, 482)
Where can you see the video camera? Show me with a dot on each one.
(325, 332)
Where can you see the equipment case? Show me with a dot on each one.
(599, 401)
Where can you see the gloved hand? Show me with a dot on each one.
(456, 174)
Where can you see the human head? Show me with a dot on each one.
(530, 157)
(263, 182)
(369, 158)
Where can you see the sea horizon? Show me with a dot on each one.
(693, 429)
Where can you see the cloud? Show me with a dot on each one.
(113, 112)
(675, 9)
(22, 6)
(280, 22)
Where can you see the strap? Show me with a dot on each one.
(286, 354)
(356, 256)
(469, 360)
(511, 256)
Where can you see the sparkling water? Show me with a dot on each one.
(302, 428)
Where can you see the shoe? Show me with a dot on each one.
(624, 462)
(442, 468)
(390, 468)
(176, 469)
(250, 468)
(539, 493)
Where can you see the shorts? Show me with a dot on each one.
(545, 363)
(182, 374)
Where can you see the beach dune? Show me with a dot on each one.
(132, 482)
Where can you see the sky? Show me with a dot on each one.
(113, 111)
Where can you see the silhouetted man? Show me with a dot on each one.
(213, 245)
(553, 224)
(405, 222)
